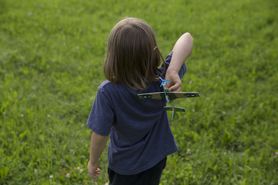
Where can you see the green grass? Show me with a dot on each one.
(51, 55)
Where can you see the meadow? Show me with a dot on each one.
(51, 56)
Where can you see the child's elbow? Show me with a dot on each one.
(188, 42)
(188, 36)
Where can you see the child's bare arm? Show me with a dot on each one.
(98, 143)
(181, 51)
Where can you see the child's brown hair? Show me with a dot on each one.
(132, 54)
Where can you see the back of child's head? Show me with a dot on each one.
(132, 54)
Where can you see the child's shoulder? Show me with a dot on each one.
(109, 87)
(106, 85)
(103, 84)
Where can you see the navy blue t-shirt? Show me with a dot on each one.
(140, 134)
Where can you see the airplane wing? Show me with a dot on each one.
(174, 108)
(171, 95)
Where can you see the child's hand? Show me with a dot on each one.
(93, 170)
(175, 81)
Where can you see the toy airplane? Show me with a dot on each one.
(166, 94)
(169, 96)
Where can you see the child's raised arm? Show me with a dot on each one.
(181, 51)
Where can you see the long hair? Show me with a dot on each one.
(132, 54)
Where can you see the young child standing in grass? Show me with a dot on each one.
(140, 136)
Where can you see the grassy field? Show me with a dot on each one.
(51, 55)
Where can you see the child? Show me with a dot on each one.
(140, 136)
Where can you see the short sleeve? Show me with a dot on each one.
(182, 71)
(102, 115)
(162, 70)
